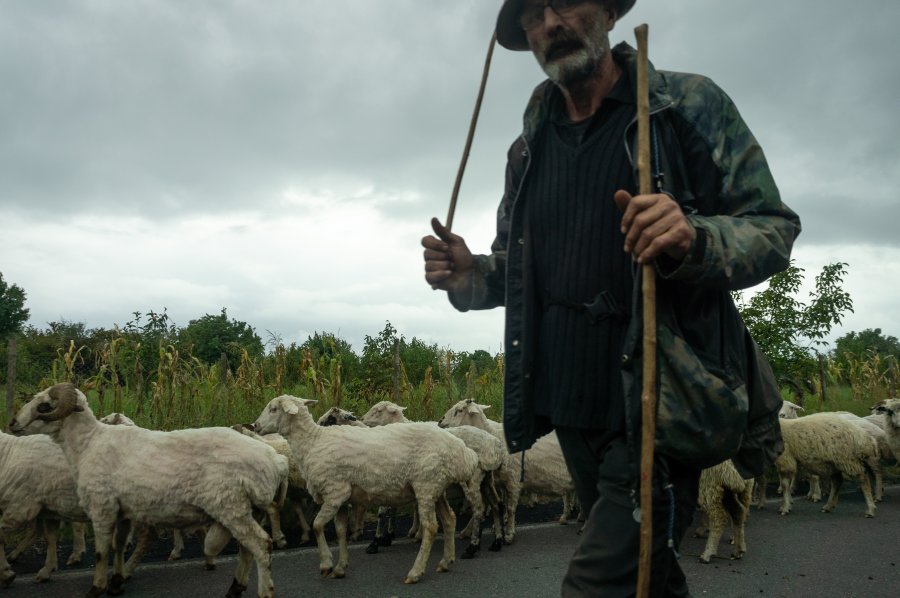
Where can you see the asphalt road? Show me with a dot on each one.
(807, 553)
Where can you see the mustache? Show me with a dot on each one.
(563, 45)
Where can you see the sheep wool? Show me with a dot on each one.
(35, 482)
(724, 498)
(168, 479)
(827, 445)
(387, 465)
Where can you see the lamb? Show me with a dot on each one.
(490, 451)
(825, 444)
(724, 497)
(37, 486)
(889, 411)
(389, 465)
(177, 479)
(545, 468)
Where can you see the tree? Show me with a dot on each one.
(13, 313)
(870, 341)
(13, 316)
(790, 331)
(211, 336)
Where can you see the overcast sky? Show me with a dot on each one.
(282, 159)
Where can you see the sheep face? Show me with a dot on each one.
(42, 414)
(277, 415)
(337, 417)
(789, 410)
(890, 408)
(466, 412)
(383, 413)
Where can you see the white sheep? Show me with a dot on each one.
(36, 485)
(788, 411)
(881, 441)
(826, 445)
(490, 451)
(389, 465)
(545, 469)
(889, 411)
(131, 475)
(724, 496)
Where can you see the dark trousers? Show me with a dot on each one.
(605, 563)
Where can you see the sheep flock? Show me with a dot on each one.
(61, 464)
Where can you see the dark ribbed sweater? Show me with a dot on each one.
(578, 253)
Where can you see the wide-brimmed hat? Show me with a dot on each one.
(510, 33)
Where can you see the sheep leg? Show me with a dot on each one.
(121, 534)
(7, 575)
(11, 521)
(428, 523)
(760, 491)
(252, 538)
(51, 534)
(815, 489)
(786, 478)
(357, 523)
(472, 490)
(78, 545)
(340, 528)
(304, 524)
(214, 543)
(144, 536)
(25, 543)
(512, 503)
(103, 536)
(718, 519)
(326, 513)
(273, 511)
(385, 522)
(875, 467)
(866, 486)
(567, 508)
(415, 530)
(738, 525)
(837, 481)
(448, 521)
(177, 545)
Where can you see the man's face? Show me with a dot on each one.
(569, 48)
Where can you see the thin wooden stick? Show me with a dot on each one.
(648, 276)
(474, 121)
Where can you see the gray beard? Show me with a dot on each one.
(582, 64)
(573, 68)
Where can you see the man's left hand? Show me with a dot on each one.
(653, 225)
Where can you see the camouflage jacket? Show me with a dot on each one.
(714, 167)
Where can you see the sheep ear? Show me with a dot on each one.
(483, 407)
(309, 402)
(290, 407)
(402, 408)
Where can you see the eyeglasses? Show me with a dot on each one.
(533, 14)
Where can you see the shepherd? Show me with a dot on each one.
(573, 236)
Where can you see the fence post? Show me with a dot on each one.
(822, 376)
(10, 377)
(396, 395)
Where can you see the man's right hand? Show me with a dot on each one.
(448, 261)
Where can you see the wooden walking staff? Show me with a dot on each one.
(472, 123)
(648, 277)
